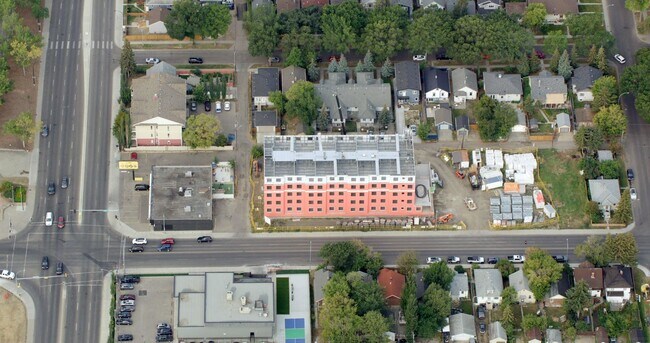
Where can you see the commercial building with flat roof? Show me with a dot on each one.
(224, 306)
(180, 198)
(340, 176)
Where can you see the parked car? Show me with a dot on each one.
(127, 302)
(517, 258)
(453, 259)
(65, 182)
(6, 274)
(492, 260)
(127, 308)
(431, 260)
(151, 60)
(124, 322)
(204, 239)
(217, 106)
(164, 338)
(167, 241)
(164, 331)
(480, 311)
(163, 325)
(208, 106)
(124, 338)
(619, 58)
(560, 258)
(481, 327)
(475, 259)
(45, 263)
(195, 60)
(540, 54)
(193, 106)
(49, 219)
(633, 195)
(418, 58)
(59, 268)
(51, 188)
(226, 106)
(45, 131)
(60, 223)
(126, 286)
(136, 248)
(630, 174)
(130, 279)
(139, 241)
(127, 297)
(122, 315)
(165, 247)
(141, 187)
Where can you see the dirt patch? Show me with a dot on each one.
(24, 96)
(13, 320)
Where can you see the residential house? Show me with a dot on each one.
(465, 85)
(462, 327)
(359, 101)
(618, 284)
(497, 333)
(534, 335)
(557, 294)
(593, 277)
(547, 89)
(521, 126)
(436, 85)
(434, 4)
(266, 123)
(317, 3)
(488, 6)
(407, 5)
(557, 10)
(583, 80)
(291, 75)
(460, 159)
(153, 4)
(287, 5)
(503, 87)
(407, 83)
(553, 336)
(515, 8)
(607, 193)
(265, 81)
(462, 125)
(459, 288)
(519, 282)
(158, 107)
(393, 283)
(605, 155)
(443, 119)
(489, 286)
(321, 277)
(563, 123)
(156, 20)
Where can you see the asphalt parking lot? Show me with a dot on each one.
(153, 304)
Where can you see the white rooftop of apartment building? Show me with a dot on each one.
(332, 155)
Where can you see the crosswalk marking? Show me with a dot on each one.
(77, 44)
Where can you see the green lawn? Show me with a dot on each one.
(560, 177)
(282, 297)
(551, 113)
(466, 307)
(590, 8)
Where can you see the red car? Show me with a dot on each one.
(334, 58)
(167, 241)
(127, 297)
(540, 54)
(60, 223)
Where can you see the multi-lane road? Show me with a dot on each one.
(76, 104)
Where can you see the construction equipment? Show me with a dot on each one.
(445, 218)
(469, 202)
(474, 181)
(460, 174)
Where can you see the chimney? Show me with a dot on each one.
(593, 275)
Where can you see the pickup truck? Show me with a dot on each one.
(517, 258)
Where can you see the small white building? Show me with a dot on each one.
(465, 85)
(618, 284)
(462, 327)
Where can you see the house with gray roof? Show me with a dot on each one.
(407, 5)
(459, 288)
(489, 285)
(464, 84)
(462, 327)
(407, 83)
(488, 6)
(607, 193)
(583, 80)
(265, 81)
(519, 282)
(556, 295)
(291, 75)
(547, 89)
(448, 5)
(462, 125)
(153, 4)
(436, 85)
(604, 155)
(503, 87)
(321, 277)
(265, 123)
(497, 333)
(563, 122)
(359, 101)
(557, 10)
(443, 118)
(553, 336)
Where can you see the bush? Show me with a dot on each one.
(459, 269)
(257, 151)
(595, 214)
(221, 140)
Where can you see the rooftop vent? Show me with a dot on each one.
(187, 193)
(188, 209)
(189, 173)
(243, 300)
(180, 191)
(259, 305)
(245, 310)
(229, 295)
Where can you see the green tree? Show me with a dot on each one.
(333, 66)
(638, 6)
(200, 93)
(25, 49)
(564, 67)
(127, 60)
(541, 270)
(593, 210)
(616, 323)
(495, 119)
(523, 66)
(338, 34)
(438, 273)
(296, 58)
(611, 120)
(373, 328)
(555, 61)
(429, 31)
(23, 127)
(309, 17)
(508, 296)
(263, 30)
(535, 63)
(368, 62)
(257, 151)
(184, 20)
(531, 321)
(555, 40)
(573, 57)
(505, 267)
(279, 101)
(601, 60)
(201, 130)
(587, 30)
(534, 16)
(347, 256)
(338, 320)
(343, 65)
(6, 84)
(605, 91)
(385, 117)
(215, 20)
(622, 247)
(409, 304)
(304, 40)
(434, 309)
(387, 69)
(368, 296)
(125, 91)
(407, 263)
(221, 140)
(323, 120)
(423, 130)
(570, 334)
(578, 298)
(589, 167)
(383, 37)
(591, 58)
(302, 102)
(507, 316)
(609, 169)
(590, 138)
(337, 285)
(594, 251)
(122, 129)
(459, 269)
(313, 72)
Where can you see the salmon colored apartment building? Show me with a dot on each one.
(340, 176)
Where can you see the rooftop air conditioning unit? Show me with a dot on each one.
(229, 295)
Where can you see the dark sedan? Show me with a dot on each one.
(204, 239)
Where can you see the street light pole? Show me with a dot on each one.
(567, 248)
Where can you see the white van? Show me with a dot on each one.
(49, 218)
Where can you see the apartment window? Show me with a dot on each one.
(354, 186)
(289, 209)
(383, 185)
(382, 193)
(331, 201)
(277, 203)
(394, 186)
(311, 195)
(362, 209)
(320, 187)
(373, 193)
(298, 201)
(311, 187)
(289, 201)
(299, 194)
(382, 208)
(362, 187)
(289, 193)
(331, 208)
(269, 187)
(311, 209)
(277, 195)
(394, 201)
(382, 200)
(394, 209)
(373, 208)
(269, 202)
(299, 209)
(351, 209)
(340, 201)
(340, 208)
(289, 186)
(311, 202)
(409, 201)
(409, 186)
(319, 202)
(353, 202)
(277, 187)
(340, 193)
(331, 193)
(278, 210)
(360, 201)
(373, 200)
(268, 210)
(354, 194)
(340, 185)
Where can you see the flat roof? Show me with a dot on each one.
(328, 155)
(181, 193)
(423, 177)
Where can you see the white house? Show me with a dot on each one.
(459, 288)
(583, 80)
(436, 85)
(618, 284)
(503, 87)
(489, 286)
(593, 277)
(519, 282)
(465, 85)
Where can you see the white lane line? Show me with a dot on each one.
(111, 44)
(93, 45)
(56, 46)
(62, 310)
(51, 44)
(68, 45)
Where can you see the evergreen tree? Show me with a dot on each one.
(343, 65)
(323, 119)
(534, 64)
(573, 57)
(555, 60)
(601, 59)
(387, 70)
(591, 58)
(623, 213)
(360, 67)
(333, 66)
(368, 62)
(564, 66)
(523, 66)
(313, 72)
(385, 118)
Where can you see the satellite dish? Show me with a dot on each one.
(645, 288)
